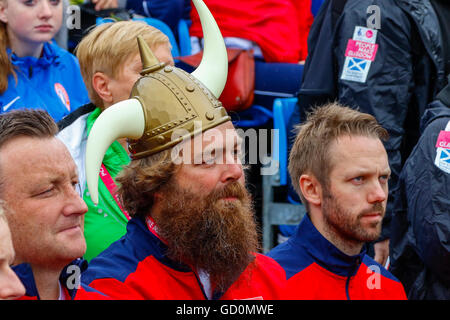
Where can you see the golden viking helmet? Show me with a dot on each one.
(163, 100)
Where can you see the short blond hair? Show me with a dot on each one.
(310, 152)
(108, 46)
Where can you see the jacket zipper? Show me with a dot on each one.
(352, 273)
(346, 287)
(200, 284)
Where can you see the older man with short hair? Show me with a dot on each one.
(39, 184)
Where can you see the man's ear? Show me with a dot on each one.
(100, 83)
(311, 189)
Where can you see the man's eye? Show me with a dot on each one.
(46, 192)
(209, 161)
(359, 179)
(29, 2)
(77, 187)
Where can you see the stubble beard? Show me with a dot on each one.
(346, 225)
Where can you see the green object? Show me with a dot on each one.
(104, 223)
(76, 2)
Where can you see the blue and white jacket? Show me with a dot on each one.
(53, 83)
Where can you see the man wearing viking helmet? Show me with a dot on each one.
(192, 234)
(110, 65)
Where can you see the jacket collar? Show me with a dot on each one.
(75, 268)
(49, 56)
(146, 244)
(435, 110)
(324, 252)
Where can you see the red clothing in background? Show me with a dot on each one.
(279, 27)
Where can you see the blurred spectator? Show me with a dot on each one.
(168, 11)
(110, 65)
(36, 73)
(420, 236)
(388, 58)
(10, 285)
(44, 211)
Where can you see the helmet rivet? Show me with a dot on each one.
(160, 139)
(209, 116)
(190, 88)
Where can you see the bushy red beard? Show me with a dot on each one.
(209, 233)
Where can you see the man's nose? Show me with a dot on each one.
(74, 203)
(10, 286)
(377, 193)
(232, 170)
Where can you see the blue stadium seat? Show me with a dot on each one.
(254, 116)
(282, 110)
(275, 174)
(184, 38)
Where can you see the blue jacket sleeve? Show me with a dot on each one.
(427, 189)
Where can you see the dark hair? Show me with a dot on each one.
(26, 122)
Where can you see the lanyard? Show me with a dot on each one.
(153, 228)
(202, 278)
(111, 186)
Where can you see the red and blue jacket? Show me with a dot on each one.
(136, 267)
(69, 280)
(317, 270)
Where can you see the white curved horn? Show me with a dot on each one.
(124, 119)
(213, 68)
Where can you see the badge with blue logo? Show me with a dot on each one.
(442, 160)
(359, 54)
(355, 69)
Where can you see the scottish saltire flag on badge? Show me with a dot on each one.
(355, 69)
(359, 54)
(442, 160)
